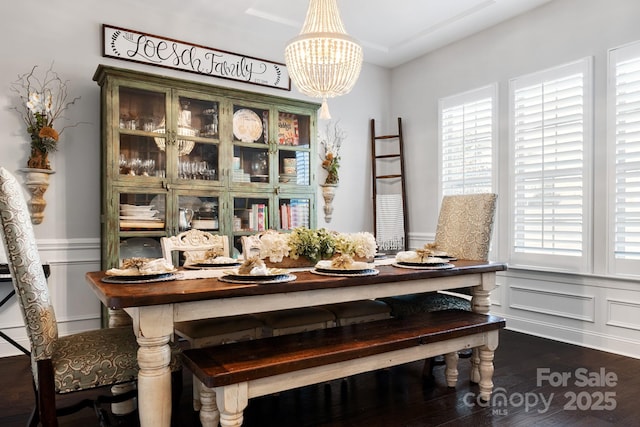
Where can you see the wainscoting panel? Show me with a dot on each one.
(623, 314)
(579, 307)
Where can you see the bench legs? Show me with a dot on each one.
(224, 405)
(486, 372)
(451, 370)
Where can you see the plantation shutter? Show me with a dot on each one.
(550, 140)
(625, 124)
(466, 140)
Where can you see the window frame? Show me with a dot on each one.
(473, 95)
(578, 264)
(615, 266)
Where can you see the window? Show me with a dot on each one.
(467, 129)
(550, 142)
(624, 158)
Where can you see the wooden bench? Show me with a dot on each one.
(233, 373)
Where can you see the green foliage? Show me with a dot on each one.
(311, 244)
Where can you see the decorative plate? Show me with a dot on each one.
(141, 278)
(247, 125)
(346, 273)
(259, 280)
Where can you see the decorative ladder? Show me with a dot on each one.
(389, 195)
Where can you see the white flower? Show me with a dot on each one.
(274, 245)
(361, 245)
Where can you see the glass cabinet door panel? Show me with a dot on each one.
(250, 214)
(294, 129)
(293, 167)
(141, 156)
(198, 117)
(250, 164)
(201, 162)
(142, 211)
(199, 212)
(250, 124)
(140, 247)
(293, 213)
(140, 109)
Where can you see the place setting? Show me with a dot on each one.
(255, 271)
(424, 259)
(212, 260)
(345, 266)
(141, 270)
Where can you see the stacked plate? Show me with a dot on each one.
(138, 213)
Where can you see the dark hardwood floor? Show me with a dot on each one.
(398, 396)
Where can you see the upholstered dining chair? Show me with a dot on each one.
(68, 364)
(465, 225)
(194, 244)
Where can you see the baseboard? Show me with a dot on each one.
(580, 337)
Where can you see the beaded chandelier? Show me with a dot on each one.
(323, 60)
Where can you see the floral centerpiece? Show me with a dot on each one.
(330, 152)
(357, 245)
(304, 247)
(43, 100)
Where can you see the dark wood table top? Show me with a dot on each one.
(177, 291)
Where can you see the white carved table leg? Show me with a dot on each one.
(451, 371)
(481, 303)
(209, 414)
(232, 400)
(153, 326)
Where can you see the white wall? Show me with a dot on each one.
(68, 34)
(581, 309)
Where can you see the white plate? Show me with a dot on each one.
(272, 272)
(139, 218)
(325, 265)
(247, 125)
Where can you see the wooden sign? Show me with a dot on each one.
(168, 53)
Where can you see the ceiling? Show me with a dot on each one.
(391, 32)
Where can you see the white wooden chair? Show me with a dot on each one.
(207, 332)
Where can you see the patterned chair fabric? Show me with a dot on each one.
(26, 269)
(81, 361)
(465, 224)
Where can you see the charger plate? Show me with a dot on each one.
(346, 273)
(141, 278)
(258, 280)
(419, 266)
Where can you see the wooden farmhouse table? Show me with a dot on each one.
(155, 307)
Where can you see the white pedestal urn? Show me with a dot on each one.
(37, 182)
(328, 193)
